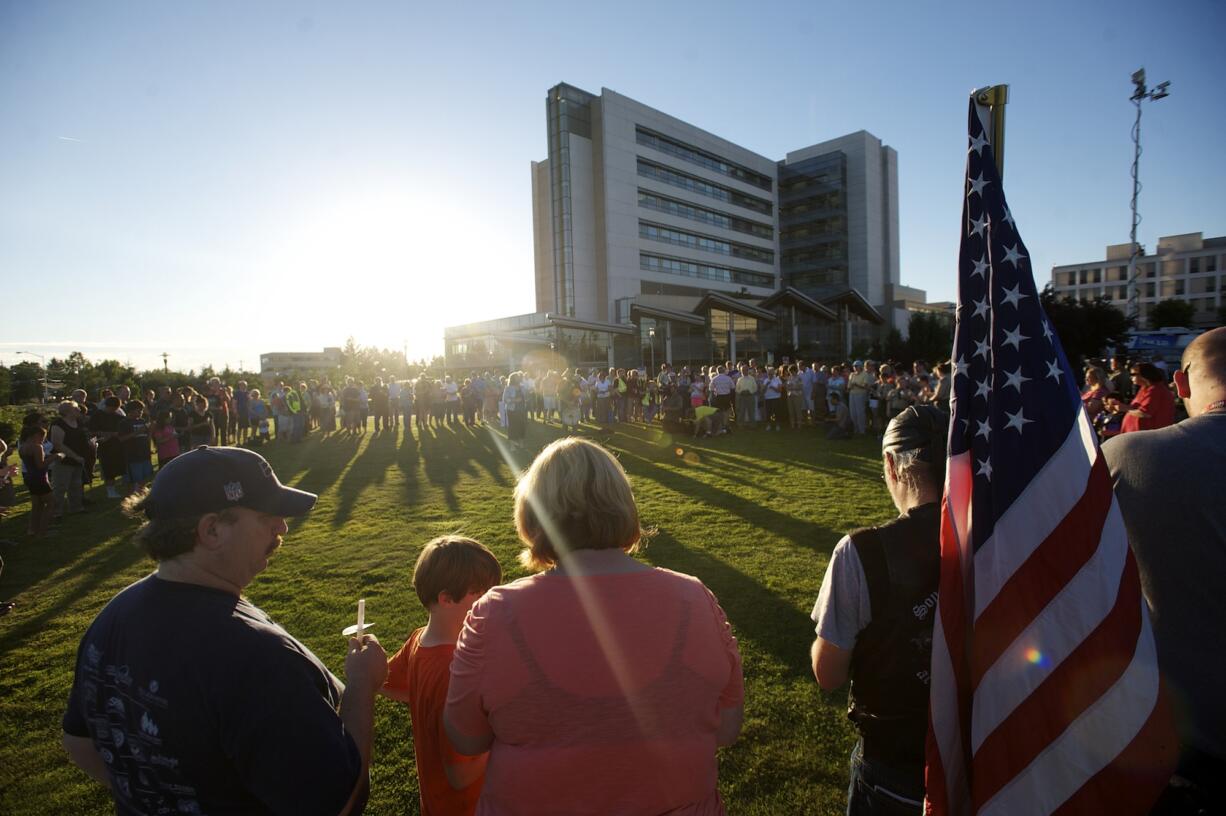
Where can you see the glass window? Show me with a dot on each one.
(667, 175)
(695, 155)
(693, 269)
(681, 209)
(659, 232)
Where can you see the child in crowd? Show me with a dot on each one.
(651, 401)
(8, 472)
(165, 438)
(257, 411)
(843, 426)
(199, 423)
(35, 462)
(708, 421)
(134, 433)
(450, 574)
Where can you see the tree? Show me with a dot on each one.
(1171, 313)
(27, 382)
(930, 337)
(1087, 330)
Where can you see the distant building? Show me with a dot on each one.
(299, 363)
(1186, 267)
(701, 249)
(906, 301)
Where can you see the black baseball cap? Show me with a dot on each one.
(208, 480)
(920, 427)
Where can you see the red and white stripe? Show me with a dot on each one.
(1045, 692)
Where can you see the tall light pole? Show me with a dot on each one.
(42, 363)
(1140, 93)
(651, 335)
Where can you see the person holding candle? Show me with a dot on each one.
(450, 574)
(190, 699)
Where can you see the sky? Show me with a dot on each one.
(219, 179)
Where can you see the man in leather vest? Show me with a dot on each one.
(874, 618)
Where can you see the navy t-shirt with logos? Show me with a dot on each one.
(136, 446)
(199, 703)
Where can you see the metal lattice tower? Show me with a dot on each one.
(1139, 95)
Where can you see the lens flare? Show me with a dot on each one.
(1036, 658)
(679, 451)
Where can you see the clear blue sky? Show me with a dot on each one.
(217, 179)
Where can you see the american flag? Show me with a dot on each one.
(1045, 694)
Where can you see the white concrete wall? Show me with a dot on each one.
(583, 229)
(542, 238)
(619, 116)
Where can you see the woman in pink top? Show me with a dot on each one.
(600, 685)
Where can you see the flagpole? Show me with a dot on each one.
(994, 98)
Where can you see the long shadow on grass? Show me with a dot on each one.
(88, 571)
(804, 533)
(758, 614)
(449, 451)
(370, 467)
(327, 457)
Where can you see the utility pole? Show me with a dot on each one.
(1139, 94)
(42, 364)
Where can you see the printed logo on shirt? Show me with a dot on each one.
(234, 490)
(922, 609)
(120, 674)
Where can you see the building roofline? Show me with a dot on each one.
(576, 323)
(857, 302)
(804, 300)
(732, 304)
(667, 314)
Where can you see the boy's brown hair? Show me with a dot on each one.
(456, 565)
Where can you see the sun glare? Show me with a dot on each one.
(389, 270)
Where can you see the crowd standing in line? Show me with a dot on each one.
(491, 693)
(119, 435)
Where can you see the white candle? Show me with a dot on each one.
(361, 616)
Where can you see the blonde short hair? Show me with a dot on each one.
(575, 496)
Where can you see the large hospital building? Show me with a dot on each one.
(656, 241)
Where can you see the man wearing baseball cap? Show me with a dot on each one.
(874, 618)
(187, 697)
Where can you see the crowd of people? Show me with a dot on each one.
(614, 681)
(1121, 397)
(121, 436)
(596, 661)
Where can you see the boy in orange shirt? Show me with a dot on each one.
(451, 573)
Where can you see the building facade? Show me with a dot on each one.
(1185, 267)
(703, 249)
(275, 364)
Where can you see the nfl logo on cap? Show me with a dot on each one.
(234, 491)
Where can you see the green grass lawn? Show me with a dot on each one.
(754, 515)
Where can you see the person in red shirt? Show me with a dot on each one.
(452, 572)
(1154, 405)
